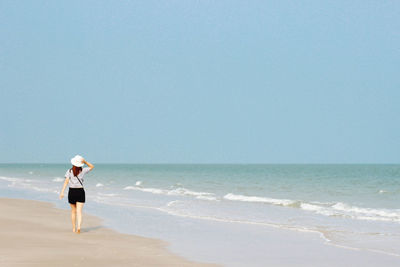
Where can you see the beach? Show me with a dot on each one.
(35, 233)
(185, 215)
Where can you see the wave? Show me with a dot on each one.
(138, 183)
(184, 191)
(27, 184)
(384, 213)
(207, 198)
(21, 184)
(340, 209)
(58, 179)
(279, 202)
(9, 179)
(169, 204)
(317, 209)
(148, 190)
(174, 192)
(15, 180)
(99, 185)
(336, 209)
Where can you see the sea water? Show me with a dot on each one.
(196, 207)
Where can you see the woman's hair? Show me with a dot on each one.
(76, 170)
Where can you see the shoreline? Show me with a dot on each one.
(36, 233)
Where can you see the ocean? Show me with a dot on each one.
(208, 211)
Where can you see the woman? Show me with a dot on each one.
(76, 193)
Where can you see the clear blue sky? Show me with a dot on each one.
(200, 81)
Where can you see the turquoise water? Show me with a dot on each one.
(354, 206)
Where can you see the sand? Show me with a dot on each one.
(35, 233)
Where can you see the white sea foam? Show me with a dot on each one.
(367, 211)
(273, 201)
(138, 183)
(8, 179)
(15, 180)
(383, 191)
(369, 218)
(21, 184)
(317, 209)
(169, 204)
(348, 211)
(174, 192)
(306, 206)
(148, 190)
(99, 185)
(184, 191)
(207, 198)
(58, 179)
(27, 184)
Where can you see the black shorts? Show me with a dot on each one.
(76, 195)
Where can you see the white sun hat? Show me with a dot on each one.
(77, 161)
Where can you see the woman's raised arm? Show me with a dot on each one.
(91, 166)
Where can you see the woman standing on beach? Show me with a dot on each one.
(76, 193)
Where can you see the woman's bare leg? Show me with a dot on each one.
(79, 206)
(73, 216)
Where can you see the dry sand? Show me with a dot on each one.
(34, 233)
